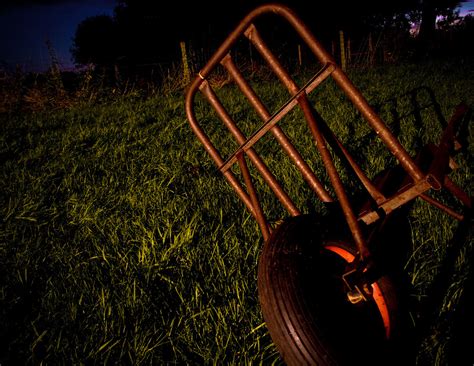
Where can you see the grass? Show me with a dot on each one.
(119, 242)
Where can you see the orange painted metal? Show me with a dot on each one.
(377, 294)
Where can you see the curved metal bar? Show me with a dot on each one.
(324, 57)
(246, 27)
(212, 151)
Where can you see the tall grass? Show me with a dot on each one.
(119, 242)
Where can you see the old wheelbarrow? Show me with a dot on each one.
(322, 292)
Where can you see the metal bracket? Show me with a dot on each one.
(357, 285)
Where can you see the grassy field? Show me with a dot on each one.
(120, 243)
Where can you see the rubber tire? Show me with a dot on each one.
(304, 305)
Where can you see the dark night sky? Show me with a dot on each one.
(26, 25)
(24, 30)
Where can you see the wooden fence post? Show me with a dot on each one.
(343, 51)
(371, 50)
(300, 61)
(349, 51)
(184, 58)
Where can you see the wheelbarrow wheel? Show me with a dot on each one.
(305, 306)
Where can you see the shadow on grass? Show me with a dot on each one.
(457, 323)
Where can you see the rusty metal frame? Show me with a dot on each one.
(420, 183)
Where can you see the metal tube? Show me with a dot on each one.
(210, 148)
(282, 74)
(318, 128)
(337, 145)
(403, 196)
(324, 57)
(277, 116)
(354, 95)
(377, 124)
(457, 192)
(259, 215)
(442, 207)
(286, 79)
(280, 136)
(256, 160)
(440, 163)
(335, 180)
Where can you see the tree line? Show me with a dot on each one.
(144, 33)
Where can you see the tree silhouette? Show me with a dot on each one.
(430, 10)
(96, 42)
(145, 33)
